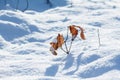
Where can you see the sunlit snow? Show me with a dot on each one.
(25, 38)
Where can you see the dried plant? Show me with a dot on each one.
(60, 41)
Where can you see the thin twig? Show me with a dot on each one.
(63, 50)
(71, 4)
(27, 5)
(67, 35)
(66, 41)
(70, 46)
(99, 37)
(49, 2)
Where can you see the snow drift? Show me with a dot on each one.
(25, 38)
(39, 5)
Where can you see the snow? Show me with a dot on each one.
(25, 40)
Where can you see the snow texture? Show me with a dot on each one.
(25, 40)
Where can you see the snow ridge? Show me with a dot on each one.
(25, 38)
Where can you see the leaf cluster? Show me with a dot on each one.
(60, 40)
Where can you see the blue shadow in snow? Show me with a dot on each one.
(2, 57)
(117, 18)
(51, 71)
(38, 5)
(14, 19)
(69, 61)
(94, 72)
(98, 24)
(90, 59)
(78, 64)
(9, 32)
(25, 52)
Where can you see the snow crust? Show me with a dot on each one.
(25, 38)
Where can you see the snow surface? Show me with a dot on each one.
(25, 38)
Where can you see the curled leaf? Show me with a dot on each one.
(53, 51)
(60, 40)
(54, 45)
(73, 31)
(81, 33)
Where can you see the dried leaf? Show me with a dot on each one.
(73, 31)
(82, 33)
(60, 40)
(54, 45)
(53, 51)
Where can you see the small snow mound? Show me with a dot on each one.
(3, 43)
(39, 5)
(10, 31)
(100, 66)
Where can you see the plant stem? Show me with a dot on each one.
(70, 46)
(99, 37)
(63, 50)
(71, 4)
(27, 5)
(49, 2)
(66, 43)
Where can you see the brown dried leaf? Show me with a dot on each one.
(60, 40)
(53, 51)
(54, 45)
(73, 31)
(82, 33)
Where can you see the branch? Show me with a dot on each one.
(48, 2)
(27, 5)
